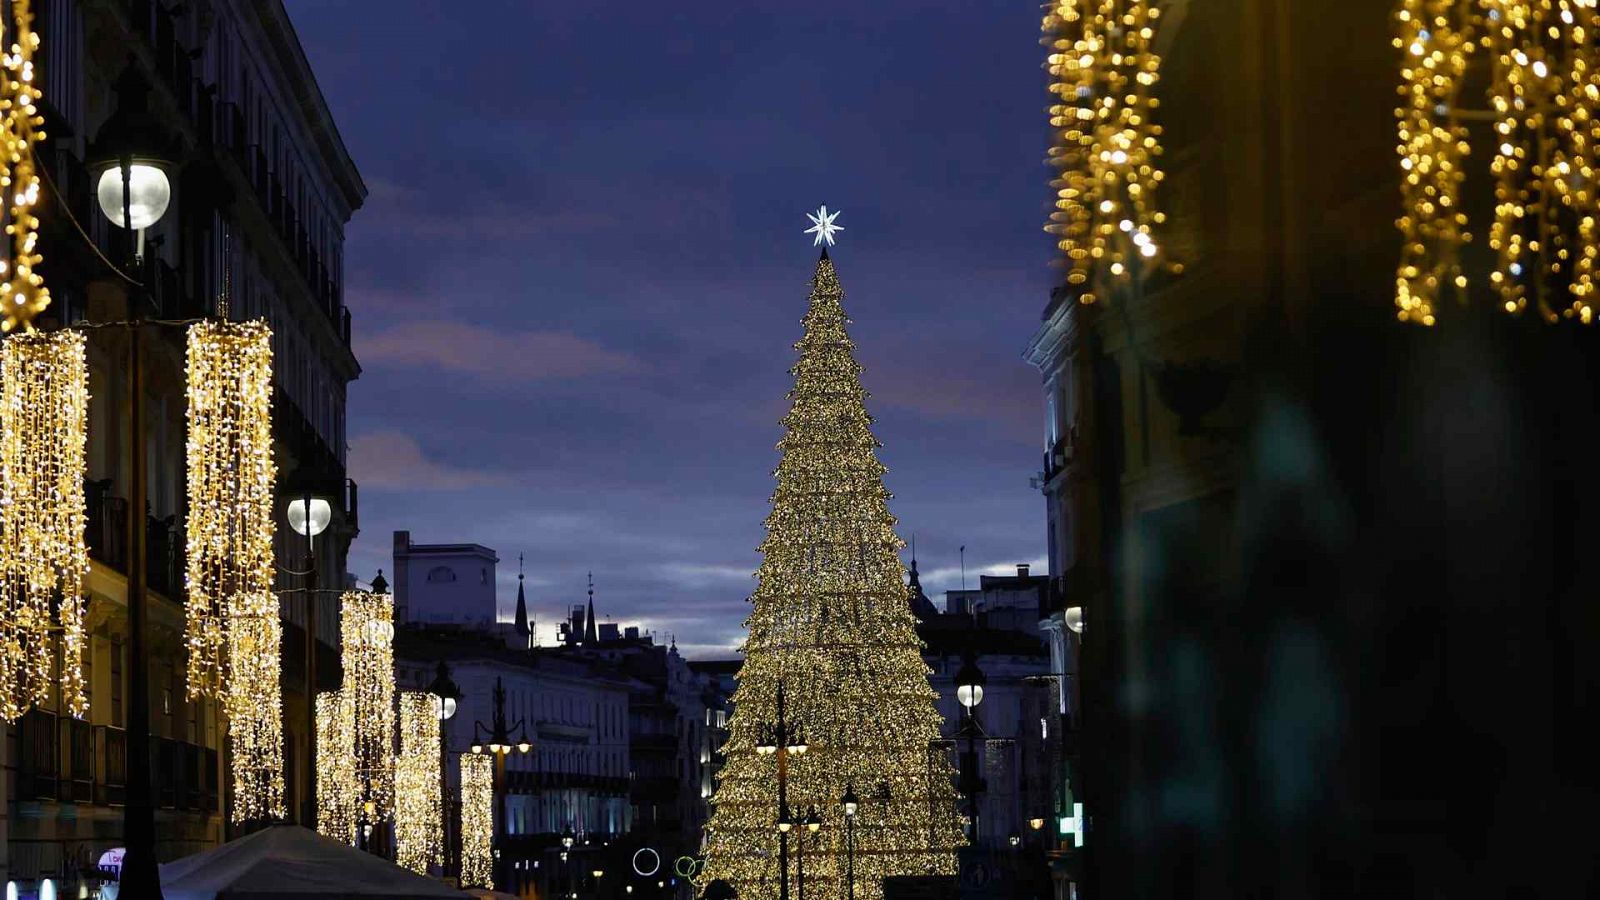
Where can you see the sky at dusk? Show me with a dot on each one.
(580, 271)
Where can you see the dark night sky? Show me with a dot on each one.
(580, 271)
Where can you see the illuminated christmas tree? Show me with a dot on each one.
(831, 624)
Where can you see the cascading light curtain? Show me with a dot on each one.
(418, 806)
(44, 401)
(338, 788)
(231, 623)
(477, 821)
(23, 295)
(1103, 73)
(1541, 105)
(830, 621)
(367, 635)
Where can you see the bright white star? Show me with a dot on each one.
(822, 226)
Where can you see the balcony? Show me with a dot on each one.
(106, 525)
(112, 788)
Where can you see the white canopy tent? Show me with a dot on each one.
(288, 862)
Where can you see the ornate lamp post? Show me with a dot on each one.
(500, 746)
(129, 161)
(448, 696)
(782, 739)
(851, 803)
(969, 692)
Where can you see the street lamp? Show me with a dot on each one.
(447, 695)
(132, 137)
(309, 516)
(851, 803)
(811, 822)
(782, 739)
(500, 745)
(1074, 617)
(969, 691)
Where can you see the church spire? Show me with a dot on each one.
(590, 630)
(921, 606)
(522, 605)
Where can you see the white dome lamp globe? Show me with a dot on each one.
(309, 516)
(130, 159)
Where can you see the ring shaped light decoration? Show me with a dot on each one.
(686, 866)
(646, 862)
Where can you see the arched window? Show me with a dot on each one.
(440, 574)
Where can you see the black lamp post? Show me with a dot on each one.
(447, 697)
(308, 516)
(500, 746)
(811, 822)
(851, 803)
(782, 739)
(969, 692)
(129, 158)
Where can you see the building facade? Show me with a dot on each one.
(444, 584)
(262, 190)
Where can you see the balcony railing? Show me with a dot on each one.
(112, 788)
(39, 765)
(106, 527)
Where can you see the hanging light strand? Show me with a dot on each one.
(44, 400)
(477, 821)
(367, 634)
(1103, 73)
(23, 294)
(254, 705)
(338, 789)
(230, 482)
(1541, 102)
(416, 783)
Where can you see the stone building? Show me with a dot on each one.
(261, 193)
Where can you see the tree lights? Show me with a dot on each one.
(1107, 144)
(1542, 97)
(23, 294)
(416, 783)
(44, 401)
(830, 620)
(477, 820)
(367, 631)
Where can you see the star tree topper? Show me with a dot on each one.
(822, 226)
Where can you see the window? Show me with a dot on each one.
(441, 575)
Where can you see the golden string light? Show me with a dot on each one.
(830, 619)
(44, 401)
(366, 628)
(1542, 99)
(338, 788)
(417, 809)
(230, 482)
(1103, 73)
(477, 821)
(255, 706)
(23, 294)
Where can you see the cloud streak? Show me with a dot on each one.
(460, 348)
(394, 460)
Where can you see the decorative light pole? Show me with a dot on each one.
(851, 803)
(782, 739)
(308, 517)
(133, 191)
(969, 692)
(567, 840)
(447, 696)
(500, 746)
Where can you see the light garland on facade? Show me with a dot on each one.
(255, 706)
(230, 482)
(366, 628)
(23, 295)
(1543, 101)
(418, 806)
(477, 821)
(1103, 72)
(338, 788)
(830, 619)
(44, 401)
